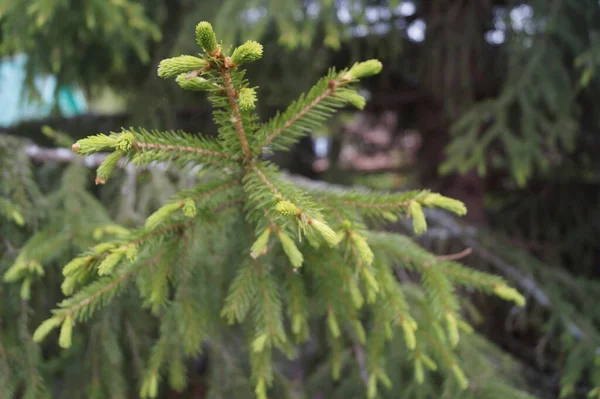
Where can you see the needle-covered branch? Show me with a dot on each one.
(310, 111)
(280, 254)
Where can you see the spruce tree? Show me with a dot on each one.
(248, 256)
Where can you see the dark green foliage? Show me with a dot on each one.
(244, 246)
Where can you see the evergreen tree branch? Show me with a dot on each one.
(331, 92)
(239, 127)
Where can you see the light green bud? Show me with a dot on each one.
(419, 222)
(246, 99)
(363, 69)
(107, 166)
(290, 249)
(247, 52)
(259, 246)
(189, 208)
(353, 98)
(449, 204)
(95, 143)
(287, 208)
(171, 67)
(510, 294)
(66, 333)
(205, 37)
(193, 83)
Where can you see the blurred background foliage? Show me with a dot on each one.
(494, 102)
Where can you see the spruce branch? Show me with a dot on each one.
(331, 92)
(232, 96)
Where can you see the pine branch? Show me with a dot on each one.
(232, 98)
(331, 92)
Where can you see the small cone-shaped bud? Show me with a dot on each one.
(360, 332)
(510, 294)
(290, 249)
(419, 372)
(409, 334)
(247, 52)
(363, 249)
(189, 208)
(96, 143)
(107, 166)
(15, 272)
(449, 204)
(161, 214)
(363, 69)
(25, 292)
(259, 342)
(205, 37)
(326, 232)
(66, 333)
(416, 212)
(247, 98)
(287, 208)
(109, 263)
(465, 327)
(131, 252)
(459, 374)
(368, 276)
(110, 230)
(193, 83)
(431, 365)
(45, 328)
(260, 245)
(125, 141)
(74, 265)
(17, 217)
(68, 285)
(452, 325)
(334, 327)
(171, 67)
(297, 322)
(149, 387)
(357, 297)
(103, 247)
(355, 99)
(389, 216)
(388, 331)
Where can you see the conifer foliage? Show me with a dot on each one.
(280, 261)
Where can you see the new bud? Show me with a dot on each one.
(326, 232)
(106, 167)
(205, 37)
(189, 208)
(419, 222)
(66, 333)
(363, 69)
(287, 208)
(353, 98)
(260, 245)
(290, 249)
(96, 143)
(193, 83)
(449, 204)
(171, 67)
(247, 52)
(510, 294)
(246, 99)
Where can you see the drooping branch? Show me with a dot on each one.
(437, 219)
